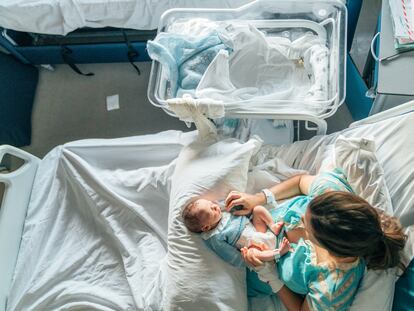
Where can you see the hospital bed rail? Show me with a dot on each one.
(16, 197)
(387, 114)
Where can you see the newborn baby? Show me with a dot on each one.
(223, 231)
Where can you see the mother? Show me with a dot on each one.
(334, 235)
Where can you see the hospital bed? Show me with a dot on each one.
(86, 226)
(62, 17)
(85, 31)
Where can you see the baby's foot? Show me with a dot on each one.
(284, 246)
(277, 227)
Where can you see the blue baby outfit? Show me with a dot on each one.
(327, 286)
(222, 239)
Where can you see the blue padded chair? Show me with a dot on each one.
(17, 91)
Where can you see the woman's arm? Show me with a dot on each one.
(291, 187)
(292, 301)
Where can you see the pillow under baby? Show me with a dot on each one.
(193, 275)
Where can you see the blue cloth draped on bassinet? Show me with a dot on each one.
(184, 58)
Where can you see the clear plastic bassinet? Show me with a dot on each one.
(289, 19)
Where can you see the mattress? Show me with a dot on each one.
(63, 16)
(96, 228)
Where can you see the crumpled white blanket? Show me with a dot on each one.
(96, 227)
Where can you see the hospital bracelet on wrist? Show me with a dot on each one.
(270, 198)
(277, 256)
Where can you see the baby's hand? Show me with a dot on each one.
(284, 246)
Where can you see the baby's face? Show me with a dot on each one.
(210, 213)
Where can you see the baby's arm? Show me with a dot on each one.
(225, 251)
(263, 220)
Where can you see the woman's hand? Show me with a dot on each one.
(266, 272)
(248, 201)
(250, 256)
(257, 257)
(267, 255)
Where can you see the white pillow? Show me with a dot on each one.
(376, 291)
(193, 277)
(269, 173)
(363, 171)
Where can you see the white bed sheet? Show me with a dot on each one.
(62, 16)
(96, 228)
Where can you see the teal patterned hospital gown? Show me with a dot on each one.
(326, 286)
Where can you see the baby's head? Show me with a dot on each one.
(201, 215)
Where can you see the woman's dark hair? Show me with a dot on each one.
(348, 226)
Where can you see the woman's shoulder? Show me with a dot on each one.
(327, 265)
(317, 268)
(332, 285)
(332, 180)
(303, 273)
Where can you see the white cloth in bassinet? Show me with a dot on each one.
(267, 68)
(267, 72)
